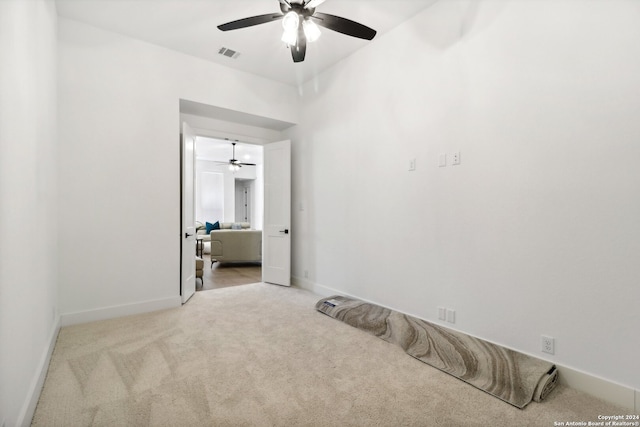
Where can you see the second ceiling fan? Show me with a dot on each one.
(233, 163)
(300, 22)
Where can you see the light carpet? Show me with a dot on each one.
(506, 374)
(261, 355)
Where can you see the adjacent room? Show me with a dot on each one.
(228, 192)
(464, 167)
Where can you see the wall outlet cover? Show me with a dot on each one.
(456, 158)
(547, 344)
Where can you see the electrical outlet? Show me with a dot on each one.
(412, 164)
(442, 313)
(548, 344)
(456, 158)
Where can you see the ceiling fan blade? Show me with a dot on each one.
(250, 22)
(285, 6)
(299, 51)
(313, 4)
(247, 164)
(344, 26)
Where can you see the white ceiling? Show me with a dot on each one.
(220, 150)
(190, 26)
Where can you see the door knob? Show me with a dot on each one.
(285, 231)
(187, 235)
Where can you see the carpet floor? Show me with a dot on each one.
(261, 355)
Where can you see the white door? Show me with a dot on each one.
(188, 238)
(276, 237)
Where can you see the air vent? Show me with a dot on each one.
(228, 52)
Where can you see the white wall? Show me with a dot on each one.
(536, 232)
(209, 194)
(119, 161)
(28, 203)
(226, 191)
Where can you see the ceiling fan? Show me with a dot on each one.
(234, 164)
(300, 22)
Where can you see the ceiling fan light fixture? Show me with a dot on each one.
(290, 37)
(311, 30)
(290, 22)
(299, 29)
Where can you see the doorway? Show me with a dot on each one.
(252, 130)
(244, 199)
(228, 191)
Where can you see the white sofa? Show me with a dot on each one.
(205, 238)
(229, 245)
(232, 242)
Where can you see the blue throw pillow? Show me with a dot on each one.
(214, 226)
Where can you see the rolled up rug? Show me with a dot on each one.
(506, 374)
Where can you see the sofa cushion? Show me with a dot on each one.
(214, 226)
(235, 225)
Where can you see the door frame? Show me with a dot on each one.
(187, 233)
(208, 133)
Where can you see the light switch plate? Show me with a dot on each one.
(442, 160)
(451, 316)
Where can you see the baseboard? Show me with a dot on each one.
(29, 408)
(320, 290)
(603, 389)
(104, 313)
(598, 387)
